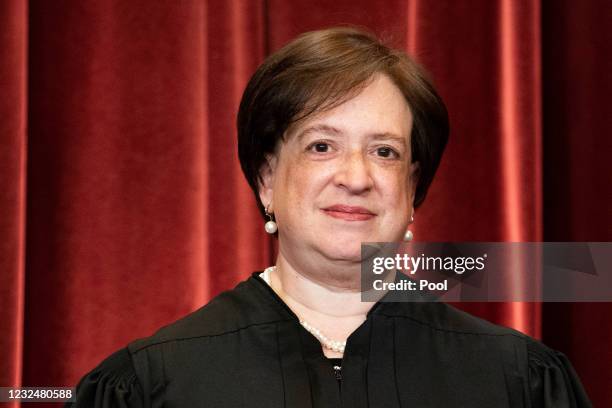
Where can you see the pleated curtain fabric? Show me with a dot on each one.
(123, 206)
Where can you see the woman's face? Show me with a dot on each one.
(343, 177)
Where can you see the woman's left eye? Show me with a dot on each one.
(386, 152)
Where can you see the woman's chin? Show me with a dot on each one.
(344, 252)
(345, 245)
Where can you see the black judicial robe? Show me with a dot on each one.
(246, 349)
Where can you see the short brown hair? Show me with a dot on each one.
(318, 71)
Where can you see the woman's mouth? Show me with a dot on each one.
(349, 212)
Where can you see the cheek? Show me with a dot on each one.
(297, 189)
(307, 179)
(396, 194)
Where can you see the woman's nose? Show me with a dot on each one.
(354, 173)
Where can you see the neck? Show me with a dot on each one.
(335, 311)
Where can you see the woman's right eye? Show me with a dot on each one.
(319, 147)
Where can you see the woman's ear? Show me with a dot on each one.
(266, 181)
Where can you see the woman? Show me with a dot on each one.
(339, 137)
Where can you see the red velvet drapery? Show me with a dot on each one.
(123, 206)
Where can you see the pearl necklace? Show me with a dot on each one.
(328, 343)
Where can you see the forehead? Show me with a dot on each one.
(379, 108)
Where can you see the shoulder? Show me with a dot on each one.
(546, 375)
(442, 317)
(244, 306)
(136, 371)
(442, 329)
(112, 383)
(552, 379)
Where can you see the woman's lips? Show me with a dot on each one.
(349, 213)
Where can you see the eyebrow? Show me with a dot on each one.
(330, 130)
(320, 128)
(390, 136)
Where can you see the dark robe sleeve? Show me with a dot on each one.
(553, 381)
(113, 384)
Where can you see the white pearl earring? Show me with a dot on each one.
(408, 236)
(270, 226)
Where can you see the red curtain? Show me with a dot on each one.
(123, 205)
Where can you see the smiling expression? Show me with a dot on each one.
(344, 176)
